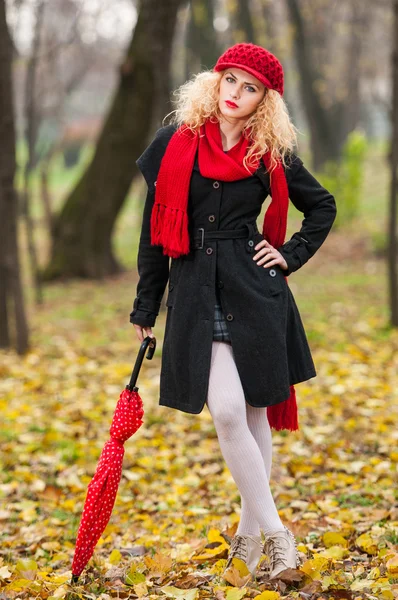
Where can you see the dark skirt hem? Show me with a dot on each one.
(187, 408)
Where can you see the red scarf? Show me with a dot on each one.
(169, 218)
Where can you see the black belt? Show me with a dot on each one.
(201, 236)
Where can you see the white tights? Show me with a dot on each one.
(245, 439)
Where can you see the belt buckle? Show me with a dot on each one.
(201, 229)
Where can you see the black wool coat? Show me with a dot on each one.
(268, 339)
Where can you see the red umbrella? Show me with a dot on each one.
(102, 489)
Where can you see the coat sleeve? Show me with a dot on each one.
(152, 264)
(319, 208)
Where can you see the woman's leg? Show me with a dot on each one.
(257, 421)
(227, 406)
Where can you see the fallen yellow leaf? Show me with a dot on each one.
(392, 565)
(335, 552)
(366, 542)
(268, 595)
(115, 557)
(333, 538)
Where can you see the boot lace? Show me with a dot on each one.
(277, 551)
(238, 549)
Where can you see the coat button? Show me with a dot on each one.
(209, 250)
(272, 272)
(220, 284)
(212, 218)
(251, 243)
(230, 317)
(216, 184)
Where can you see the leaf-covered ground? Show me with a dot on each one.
(334, 481)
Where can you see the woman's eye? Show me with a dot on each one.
(233, 80)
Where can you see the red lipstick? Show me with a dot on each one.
(231, 104)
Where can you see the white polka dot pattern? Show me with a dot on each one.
(102, 489)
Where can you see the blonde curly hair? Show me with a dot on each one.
(272, 129)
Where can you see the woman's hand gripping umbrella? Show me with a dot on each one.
(102, 489)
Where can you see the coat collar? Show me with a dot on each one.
(263, 175)
(150, 159)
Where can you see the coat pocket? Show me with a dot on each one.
(272, 277)
(275, 291)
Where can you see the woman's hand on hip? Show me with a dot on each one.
(143, 332)
(267, 256)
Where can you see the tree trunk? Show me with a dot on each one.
(46, 198)
(348, 113)
(329, 125)
(12, 312)
(323, 142)
(83, 230)
(392, 225)
(265, 25)
(32, 123)
(244, 29)
(201, 40)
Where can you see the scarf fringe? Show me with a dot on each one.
(284, 415)
(169, 228)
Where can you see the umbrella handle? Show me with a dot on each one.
(148, 341)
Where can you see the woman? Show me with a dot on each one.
(234, 338)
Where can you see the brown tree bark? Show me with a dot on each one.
(82, 244)
(13, 324)
(393, 212)
(323, 142)
(264, 24)
(201, 39)
(32, 122)
(244, 28)
(352, 104)
(330, 125)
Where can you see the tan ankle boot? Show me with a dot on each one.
(280, 548)
(248, 548)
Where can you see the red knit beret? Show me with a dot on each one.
(255, 60)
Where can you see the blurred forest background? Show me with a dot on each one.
(84, 85)
(83, 71)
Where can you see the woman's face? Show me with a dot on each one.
(242, 89)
